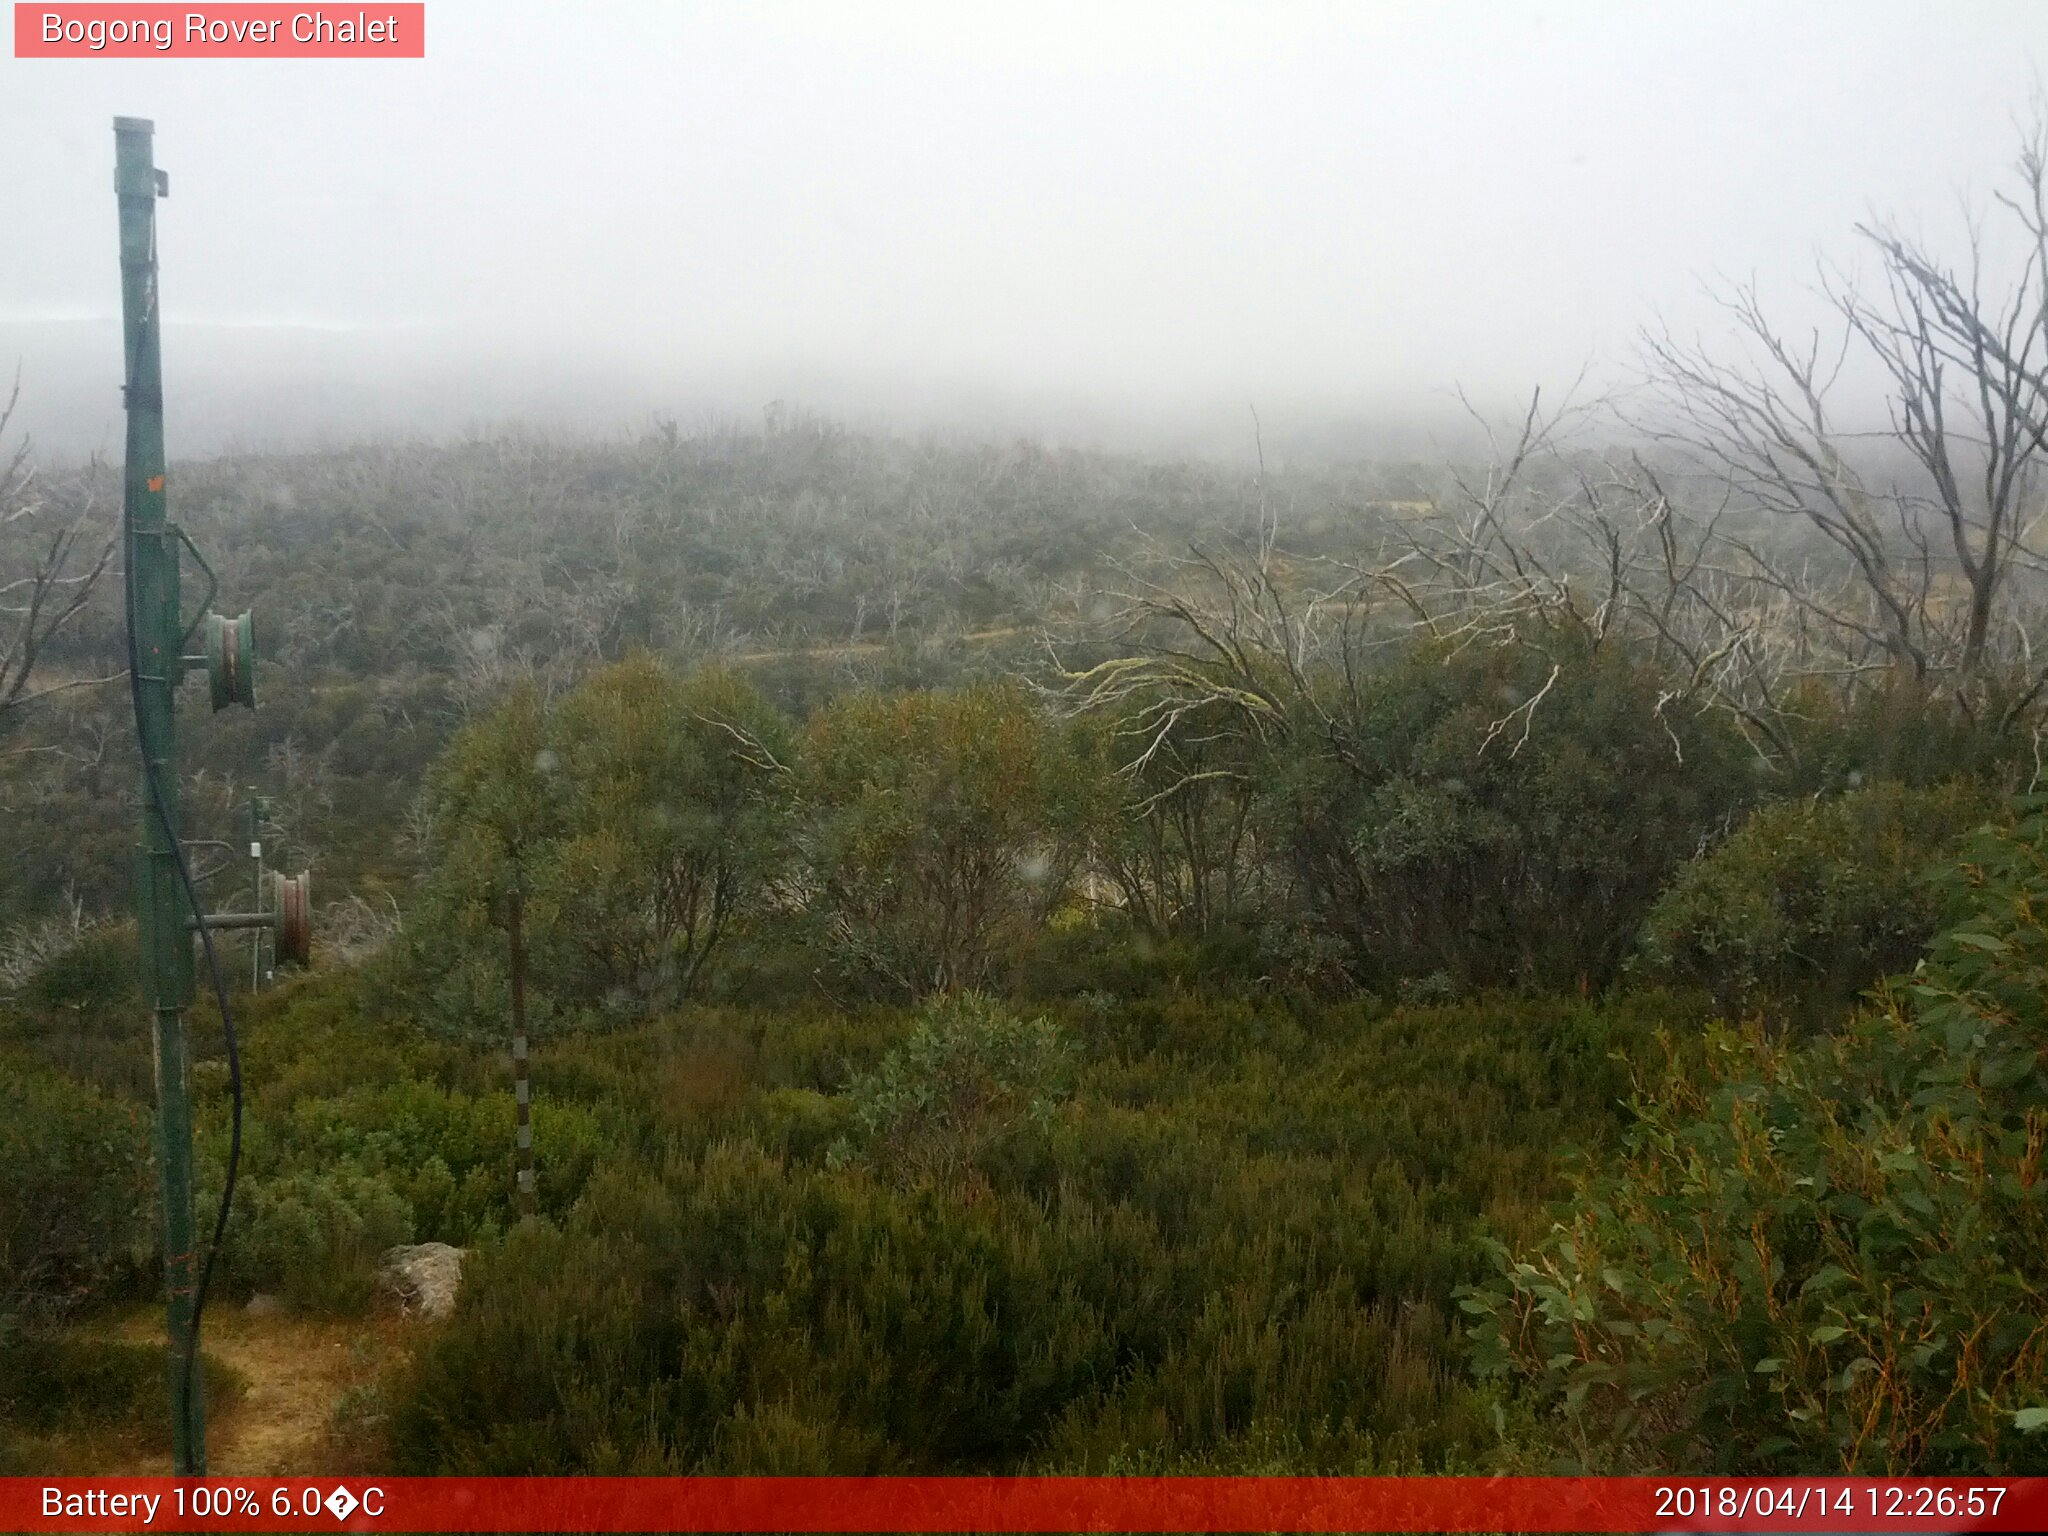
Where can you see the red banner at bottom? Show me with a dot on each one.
(1174, 1504)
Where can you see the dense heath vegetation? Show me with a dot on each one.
(986, 1022)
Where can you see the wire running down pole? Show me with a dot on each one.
(163, 911)
(167, 891)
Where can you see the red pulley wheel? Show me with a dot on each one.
(294, 910)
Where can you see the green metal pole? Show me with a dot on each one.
(153, 613)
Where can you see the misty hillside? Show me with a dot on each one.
(400, 588)
(1274, 926)
(1262, 740)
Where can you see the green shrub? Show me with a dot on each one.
(675, 794)
(314, 1238)
(1236, 1241)
(1498, 816)
(1820, 1258)
(944, 829)
(1810, 902)
(77, 1001)
(496, 815)
(76, 1216)
(732, 1313)
(90, 979)
(972, 1077)
(638, 821)
(802, 1123)
(1897, 730)
(328, 1183)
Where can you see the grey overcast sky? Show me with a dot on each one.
(604, 208)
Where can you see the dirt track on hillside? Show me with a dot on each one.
(295, 1370)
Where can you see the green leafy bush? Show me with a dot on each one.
(675, 793)
(1498, 816)
(1895, 729)
(972, 1076)
(74, 1001)
(496, 814)
(91, 978)
(638, 821)
(314, 1238)
(346, 1151)
(75, 1218)
(1820, 1257)
(944, 829)
(1811, 901)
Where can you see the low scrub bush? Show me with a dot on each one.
(329, 1179)
(76, 1217)
(1810, 902)
(313, 1238)
(69, 1383)
(972, 1078)
(1236, 1239)
(68, 997)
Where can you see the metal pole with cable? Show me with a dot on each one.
(162, 905)
(167, 895)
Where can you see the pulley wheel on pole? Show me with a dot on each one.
(292, 904)
(231, 659)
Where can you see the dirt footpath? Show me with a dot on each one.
(296, 1371)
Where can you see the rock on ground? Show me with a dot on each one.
(422, 1278)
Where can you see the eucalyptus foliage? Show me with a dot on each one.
(1820, 1257)
(637, 822)
(943, 827)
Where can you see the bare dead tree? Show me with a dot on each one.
(48, 569)
(1547, 547)
(1220, 648)
(1939, 544)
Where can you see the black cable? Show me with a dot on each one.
(161, 801)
